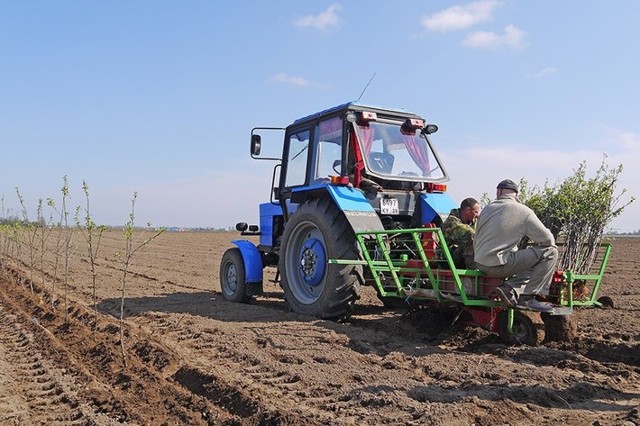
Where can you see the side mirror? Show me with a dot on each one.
(256, 145)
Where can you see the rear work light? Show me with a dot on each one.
(368, 116)
(436, 187)
(414, 123)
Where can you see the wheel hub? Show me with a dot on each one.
(313, 261)
(232, 277)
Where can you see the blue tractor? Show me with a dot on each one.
(346, 170)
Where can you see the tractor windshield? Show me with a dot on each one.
(390, 152)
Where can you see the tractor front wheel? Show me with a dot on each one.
(316, 233)
(232, 276)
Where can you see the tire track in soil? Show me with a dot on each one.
(268, 375)
(245, 398)
(40, 393)
(155, 377)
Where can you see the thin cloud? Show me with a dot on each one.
(324, 20)
(628, 142)
(543, 72)
(460, 17)
(295, 81)
(292, 80)
(513, 38)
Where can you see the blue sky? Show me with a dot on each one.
(160, 97)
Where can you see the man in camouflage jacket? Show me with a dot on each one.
(459, 230)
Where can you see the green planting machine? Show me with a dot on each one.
(415, 267)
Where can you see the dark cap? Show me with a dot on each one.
(508, 184)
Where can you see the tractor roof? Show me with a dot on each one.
(354, 106)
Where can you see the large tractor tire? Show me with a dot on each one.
(315, 233)
(528, 328)
(232, 276)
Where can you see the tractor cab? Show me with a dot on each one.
(351, 142)
(380, 156)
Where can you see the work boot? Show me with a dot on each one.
(506, 295)
(532, 303)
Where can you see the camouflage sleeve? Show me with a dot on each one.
(463, 234)
(457, 233)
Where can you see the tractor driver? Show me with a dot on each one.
(459, 229)
(501, 226)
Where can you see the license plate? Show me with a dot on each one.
(389, 206)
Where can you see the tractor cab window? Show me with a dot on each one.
(297, 159)
(391, 152)
(328, 137)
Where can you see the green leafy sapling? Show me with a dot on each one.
(92, 234)
(131, 247)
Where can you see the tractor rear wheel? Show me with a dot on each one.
(528, 328)
(232, 276)
(315, 233)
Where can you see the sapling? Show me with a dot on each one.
(578, 210)
(31, 230)
(63, 246)
(58, 247)
(45, 232)
(67, 244)
(92, 234)
(131, 247)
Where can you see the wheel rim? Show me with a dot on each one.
(306, 263)
(231, 278)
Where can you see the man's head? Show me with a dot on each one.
(506, 187)
(469, 210)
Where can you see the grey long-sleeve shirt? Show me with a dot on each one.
(501, 226)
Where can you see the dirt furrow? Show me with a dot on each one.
(43, 394)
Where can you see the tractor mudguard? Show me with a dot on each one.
(252, 261)
(435, 204)
(358, 211)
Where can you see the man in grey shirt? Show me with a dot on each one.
(501, 226)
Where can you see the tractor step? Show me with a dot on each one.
(557, 310)
(561, 310)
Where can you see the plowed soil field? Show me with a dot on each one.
(190, 357)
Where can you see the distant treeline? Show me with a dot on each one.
(12, 220)
(624, 233)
